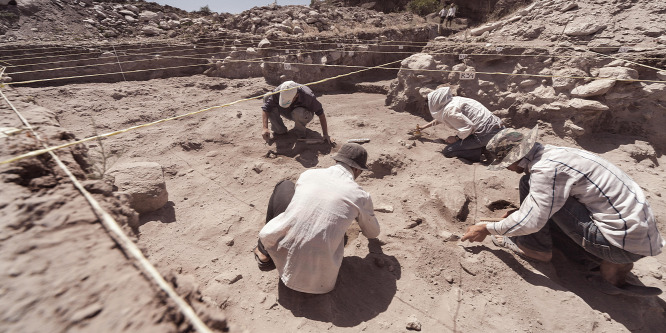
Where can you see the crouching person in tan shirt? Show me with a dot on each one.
(307, 221)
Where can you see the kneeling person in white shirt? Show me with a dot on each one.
(305, 236)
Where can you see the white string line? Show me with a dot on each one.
(385, 43)
(121, 67)
(119, 236)
(329, 50)
(45, 150)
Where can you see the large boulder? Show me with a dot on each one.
(144, 182)
(586, 104)
(150, 30)
(594, 88)
(583, 28)
(149, 16)
(619, 73)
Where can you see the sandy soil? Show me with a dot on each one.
(219, 179)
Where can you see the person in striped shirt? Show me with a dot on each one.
(588, 198)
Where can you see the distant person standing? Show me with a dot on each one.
(442, 15)
(450, 15)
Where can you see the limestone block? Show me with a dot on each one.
(594, 88)
(585, 104)
(619, 73)
(583, 28)
(144, 182)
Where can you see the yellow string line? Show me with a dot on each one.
(152, 58)
(105, 135)
(327, 65)
(346, 44)
(330, 50)
(103, 74)
(635, 63)
(95, 48)
(120, 237)
(98, 57)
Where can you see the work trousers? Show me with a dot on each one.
(573, 220)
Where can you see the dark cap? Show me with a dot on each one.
(353, 155)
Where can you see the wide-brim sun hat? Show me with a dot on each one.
(287, 96)
(353, 155)
(509, 146)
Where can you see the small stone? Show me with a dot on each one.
(270, 301)
(657, 275)
(87, 312)
(606, 316)
(414, 222)
(449, 237)
(449, 279)
(228, 277)
(239, 114)
(259, 167)
(413, 324)
(228, 241)
(384, 209)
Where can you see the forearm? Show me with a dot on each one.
(324, 124)
(264, 119)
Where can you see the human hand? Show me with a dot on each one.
(451, 139)
(476, 233)
(266, 134)
(328, 140)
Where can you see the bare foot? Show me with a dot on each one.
(505, 242)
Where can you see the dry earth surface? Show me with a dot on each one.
(219, 181)
(60, 270)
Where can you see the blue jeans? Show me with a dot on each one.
(471, 147)
(574, 220)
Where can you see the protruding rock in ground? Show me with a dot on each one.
(619, 73)
(582, 27)
(594, 88)
(568, 6)
(586, 104)
(413, 324)
(144, 182)
(604, 45)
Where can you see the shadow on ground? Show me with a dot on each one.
(365, 288)
(568, 271)
(305, 153)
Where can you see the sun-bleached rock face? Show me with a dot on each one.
(594, 88)
(144, 182)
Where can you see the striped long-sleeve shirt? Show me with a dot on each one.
(616, 203)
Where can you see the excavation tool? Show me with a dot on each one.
(491, 219)
(364, 140)
(311, 141)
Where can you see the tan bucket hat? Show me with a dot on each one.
(509, 146)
